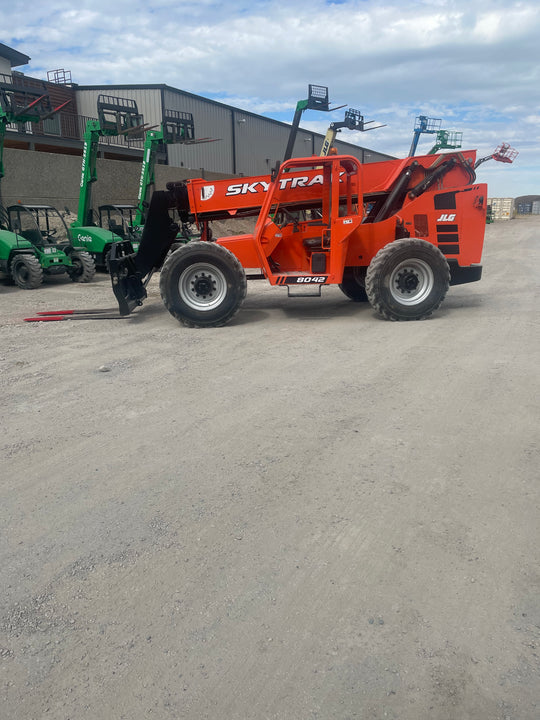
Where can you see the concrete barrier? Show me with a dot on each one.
(54, 179)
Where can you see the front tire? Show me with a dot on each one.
(83, 268)
(407, 280)
(202, 284)
(26, 272)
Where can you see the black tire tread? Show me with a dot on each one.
(88, 266)
(33, 268)
(209, 252)
(379, 266)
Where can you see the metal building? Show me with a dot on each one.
(244, 143)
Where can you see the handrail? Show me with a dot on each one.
(67, 126)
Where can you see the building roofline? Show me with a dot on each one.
(15, 57)
(163, 86)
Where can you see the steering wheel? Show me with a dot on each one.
(287, 214)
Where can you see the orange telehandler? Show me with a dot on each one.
(396, 233)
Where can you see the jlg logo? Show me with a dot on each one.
(447, 218)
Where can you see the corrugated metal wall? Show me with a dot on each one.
(212, 121)
(148, 104)
(245, 143)
(148, 100)
(259, 143)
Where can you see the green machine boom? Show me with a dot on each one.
(317, 99)
(177, 127)
(127, 221)
(116, 116)
(446, 140)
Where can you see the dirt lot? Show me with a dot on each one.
(309, 513)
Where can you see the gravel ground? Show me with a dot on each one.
(309, 513)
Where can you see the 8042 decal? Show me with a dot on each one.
(302, 279)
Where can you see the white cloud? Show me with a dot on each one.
(473, 65)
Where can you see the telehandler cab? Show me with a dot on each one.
(45, 229)
(396, 233)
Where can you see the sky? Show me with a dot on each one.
(473, 65)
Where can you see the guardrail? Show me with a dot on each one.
(70, 127)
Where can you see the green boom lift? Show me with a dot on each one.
(446, 140)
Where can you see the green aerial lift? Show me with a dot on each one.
(446, 140)
(33, 239)
(116, 116)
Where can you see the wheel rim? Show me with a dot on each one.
(202, 286)
(411, 282)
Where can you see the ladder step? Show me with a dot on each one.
(308, 291)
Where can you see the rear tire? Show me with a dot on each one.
(83, 269)
(26, 272)
(202, 284)
(407, 280)
(353, 284)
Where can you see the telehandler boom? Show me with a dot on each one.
(177, 127)
(353, 120)
(116, 116)
(317, 99)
